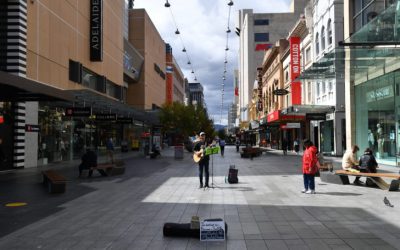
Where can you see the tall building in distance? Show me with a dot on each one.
(259, 32)
(232, 118)
(175, 82)
(196, 94)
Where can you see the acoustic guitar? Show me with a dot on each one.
(197, 156)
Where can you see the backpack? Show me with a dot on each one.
(233, 175)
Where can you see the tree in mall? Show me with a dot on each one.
(184, 121)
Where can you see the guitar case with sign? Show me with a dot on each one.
(185, 230)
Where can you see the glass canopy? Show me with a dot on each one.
(370, 52)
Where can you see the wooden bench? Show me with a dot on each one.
(375, 177)
(250, 152)
(54, 182)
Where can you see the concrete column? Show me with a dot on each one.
(31, 138)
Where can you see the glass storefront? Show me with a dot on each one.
(377, 118)
(64, 138)
(55, 135)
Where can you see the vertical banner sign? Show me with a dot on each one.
(96, 30)
(295, 70)
(169, 78)
(169, 90)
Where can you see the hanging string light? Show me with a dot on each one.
(228, 31)
(177, 32)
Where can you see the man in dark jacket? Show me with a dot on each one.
(368, 162)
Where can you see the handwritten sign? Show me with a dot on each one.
(212, 150)
(213, 230)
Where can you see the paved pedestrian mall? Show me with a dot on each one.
(265, 210)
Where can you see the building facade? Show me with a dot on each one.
(144, 36)
(64, 78)
(258, 32)
(371, 77)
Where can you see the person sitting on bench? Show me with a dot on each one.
(349, 162)
(155, 151)
(89, 161)
(368, 164)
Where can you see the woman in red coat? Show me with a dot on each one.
(310, 167)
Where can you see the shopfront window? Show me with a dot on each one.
(54, 136)
(377, 121)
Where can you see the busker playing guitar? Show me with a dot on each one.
(202, 159)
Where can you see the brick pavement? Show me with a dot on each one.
(265, 210)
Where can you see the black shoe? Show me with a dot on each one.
(206, 186)
(358, 183)
(201, 185)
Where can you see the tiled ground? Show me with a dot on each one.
(265, 210)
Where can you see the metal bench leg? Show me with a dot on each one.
(380, 183)
(345, 179)
(394, 185)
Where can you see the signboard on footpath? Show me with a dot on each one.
(212, 230)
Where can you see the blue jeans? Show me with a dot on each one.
(309, 181)
(203, 165)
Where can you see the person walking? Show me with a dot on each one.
(2, 155)
(296, 146)
(199, 150)
(237, 145)
(310, 167)
(349, 162)
(110, 149)
(284, 146)
(222, 146)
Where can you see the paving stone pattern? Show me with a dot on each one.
(265, 210)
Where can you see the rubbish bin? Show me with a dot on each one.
(178, 152)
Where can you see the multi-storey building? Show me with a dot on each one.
(65, 70)
(327, 30)
(371, 54)
(143, 35)
(258, 32)
(232, 118)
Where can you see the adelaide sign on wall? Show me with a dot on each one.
(96, 30)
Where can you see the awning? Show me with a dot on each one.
(102, 103)
(16, 88)
(277, 117)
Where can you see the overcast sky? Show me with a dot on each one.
(202, 25)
